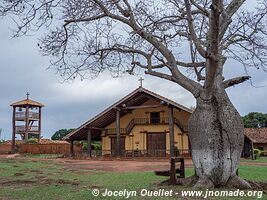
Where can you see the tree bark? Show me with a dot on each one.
(216, 134)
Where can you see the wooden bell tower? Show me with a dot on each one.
(26, 120)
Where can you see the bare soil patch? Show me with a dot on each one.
(253, 163)
(20, 182)
(117, 165)
(18, 174)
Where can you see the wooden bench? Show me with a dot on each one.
(172, 173)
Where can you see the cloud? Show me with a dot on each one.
(68, 105)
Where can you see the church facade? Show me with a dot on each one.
(142, 124)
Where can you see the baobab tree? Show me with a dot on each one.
(166, 39)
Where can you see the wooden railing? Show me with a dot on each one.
(22, 129)
(135, 153)
(22, 115)
(146, 121)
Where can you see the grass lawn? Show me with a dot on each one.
(46, 156)
(33, 179)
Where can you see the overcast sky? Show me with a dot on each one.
(68, 105)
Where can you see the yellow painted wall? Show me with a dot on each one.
(137, 138)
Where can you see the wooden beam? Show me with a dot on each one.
(71, 148)
(27, 124)
(173, 177)
(171, 130)
(252, 151)
(39, 123)
(89, 142)
(142, 106)
(96, 128)
(118, 134)
(14, 130)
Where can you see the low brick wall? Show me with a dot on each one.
(48, 148)
(5, 148)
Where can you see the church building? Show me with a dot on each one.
(142, 124)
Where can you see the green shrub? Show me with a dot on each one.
(85, 146)
(32, 141)
(257, 153)
(94, 146)
(2, 141)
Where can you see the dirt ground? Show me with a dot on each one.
(120, 165)
(117, 165)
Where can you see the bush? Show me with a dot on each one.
(257, 152)
(85, 146)
(32, 141)
(2, 141)
(97, 146)
(94, 146)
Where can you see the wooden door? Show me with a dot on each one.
(156, 144)
(114, 143)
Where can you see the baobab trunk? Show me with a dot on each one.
(216, 134)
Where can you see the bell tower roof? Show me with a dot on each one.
(27, 102)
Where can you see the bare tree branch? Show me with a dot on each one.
(235, 81)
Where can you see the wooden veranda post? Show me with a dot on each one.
(27, 124)
(71, 148)
(118, 134)
(171, 132)
(89, 141)
(173, 177)
(13, 129)
(39, 123)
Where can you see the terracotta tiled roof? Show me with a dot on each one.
(256, 135)
(27, 102)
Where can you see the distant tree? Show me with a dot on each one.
(255, 120)
(58, 135)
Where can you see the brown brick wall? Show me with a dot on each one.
(48, 148)
(5, 148)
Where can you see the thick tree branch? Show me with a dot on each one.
(193, 34)
(161, 75)
(235, 81)
(196, 64)
(213, 61)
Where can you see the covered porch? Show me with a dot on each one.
(96, 128)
